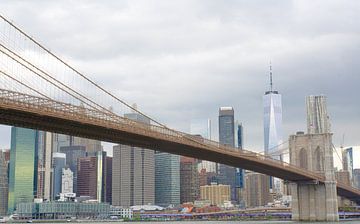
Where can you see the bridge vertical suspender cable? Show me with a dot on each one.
(96, 85)
(79, 73)
(188, 137)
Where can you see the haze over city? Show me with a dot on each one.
(181, 60)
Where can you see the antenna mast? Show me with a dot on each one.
(271, 80)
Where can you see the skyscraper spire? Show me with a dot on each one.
(271, 81)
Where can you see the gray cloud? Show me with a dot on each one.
(181, 60)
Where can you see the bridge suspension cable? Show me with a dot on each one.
(27, 86)
(51, 80)
(20, 44)
(68, 90)
(79, 73)
(336, 152)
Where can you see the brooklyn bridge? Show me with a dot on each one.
(39, 90)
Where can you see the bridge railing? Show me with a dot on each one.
(112, 120)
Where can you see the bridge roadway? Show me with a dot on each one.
(34, 112)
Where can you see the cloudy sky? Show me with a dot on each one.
(181, 60)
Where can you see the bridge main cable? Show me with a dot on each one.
(73, 94)
(79, 73)
(180, 134)
(98, 86)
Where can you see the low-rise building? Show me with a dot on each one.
(217, 194)
(62, 210)
(146, 208)
(121, 213)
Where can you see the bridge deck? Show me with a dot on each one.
(44, 114)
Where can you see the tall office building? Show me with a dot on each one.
(226, 126)
(87, 177)
(107, 181)
(61, 140)
(189, 180)
(59, 162)
(227, 174)
(257, 189)
(240, 173)
(317, 116)
(73, 153)
(104, 177)
(92, 146)
(45, 169)
(93, 177)
(348, 160)
(273, 129)
(167, 179)
(133, 177)
(206, 178)
(67, 181)
(40, 165)
(3, 184)
(23, 167)
(356, 178)
(209, 166)
(239, 136)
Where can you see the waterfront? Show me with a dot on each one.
(208, 141)
(228, 222)
(242, 222)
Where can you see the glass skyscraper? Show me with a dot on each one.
(227, 174)
(59, 162)
(272, 121)
(348, 160)
(167, 179)
(273, 126)
(23, 166)
(239, 172)
(226, 126)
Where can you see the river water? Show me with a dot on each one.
(228, 222)
(241, 222)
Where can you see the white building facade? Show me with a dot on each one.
(67, 181)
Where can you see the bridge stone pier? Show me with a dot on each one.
(311, 200)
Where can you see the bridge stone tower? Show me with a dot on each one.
(312, 201)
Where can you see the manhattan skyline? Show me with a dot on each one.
(199, 57)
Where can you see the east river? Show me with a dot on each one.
(240, 222)
(226, 222)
